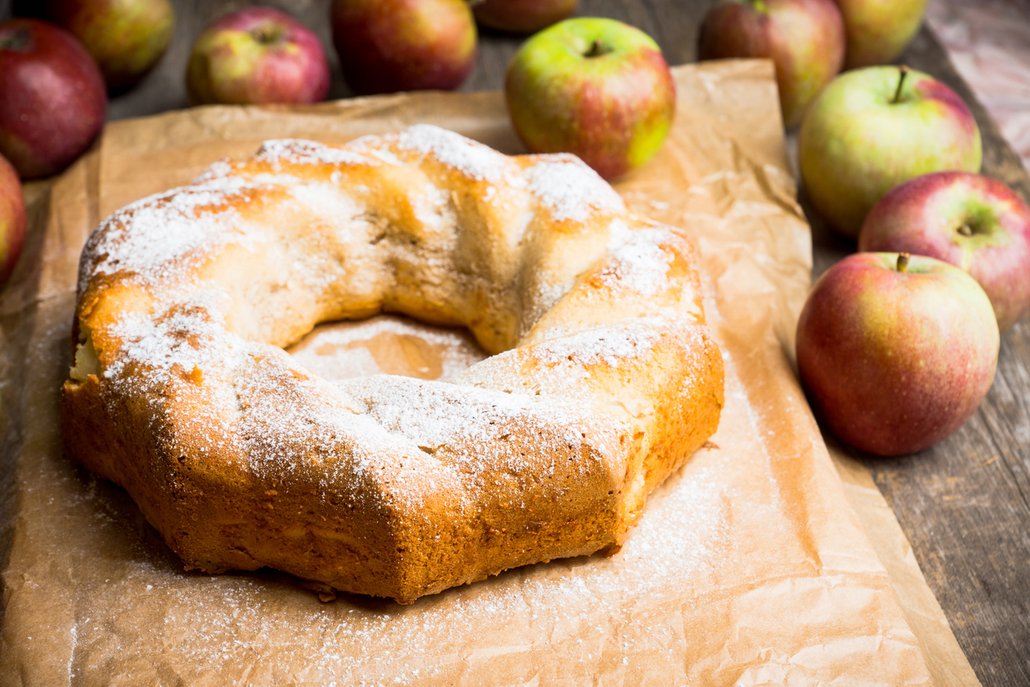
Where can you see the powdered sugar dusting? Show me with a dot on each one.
(181, 339)
(304, 152)
(327, 202)
(472, 159)
(433, 208)
(150, 231)
(640, 263)
(611, 346)
(217, 170)
(150, 236)
(570, 189)
(470, 427)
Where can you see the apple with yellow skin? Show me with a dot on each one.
(594, 87)
(257, 55)
(896, 351)
(12, 219)
(872, 129)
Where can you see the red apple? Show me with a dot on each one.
(879, 30)
(896, 352)
(401, 45)
(872, 129)
(52, 99)
(522, 16)
(969, 220)
(257, 55)
(594, 87)
(125, 37)
(804, 39)
(12, 219)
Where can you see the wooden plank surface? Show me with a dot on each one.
(965, 504)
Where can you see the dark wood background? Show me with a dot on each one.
(965, 504)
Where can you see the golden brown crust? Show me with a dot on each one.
(604, 378)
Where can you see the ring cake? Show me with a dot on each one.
(602, 378)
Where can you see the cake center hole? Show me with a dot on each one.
(386, 344)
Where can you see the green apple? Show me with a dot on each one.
(872, 129)
(879, 30)
(594, 87)
(896, 351)
(804, 39)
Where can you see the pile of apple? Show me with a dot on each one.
(897, 344)
(262, 55)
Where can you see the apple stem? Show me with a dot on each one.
(266, 35)
(966, 230)
(597, 48)
(903, 262)
(17, 40)
(902, 73)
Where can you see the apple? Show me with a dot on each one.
(257, 55)
(804, 39)
(52, 98)
(386, 46)
(896, 351)
(879, 30)
(872, 129)
(968, 220)
(125, 37)
(522, 16)
(12, 219)
(595, 87)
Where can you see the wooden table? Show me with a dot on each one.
(965, 504)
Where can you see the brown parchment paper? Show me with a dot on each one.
(755, 564)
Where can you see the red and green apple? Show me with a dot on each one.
(594, 87)
(804, 39)
(257, 55)
(969, 220)
(896, 351)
